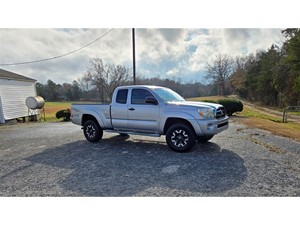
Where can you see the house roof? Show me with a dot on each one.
(13, 76)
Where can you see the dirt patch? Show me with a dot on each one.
(271, 148)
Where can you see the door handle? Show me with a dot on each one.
(131, 109)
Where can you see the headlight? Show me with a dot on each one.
(206, 113)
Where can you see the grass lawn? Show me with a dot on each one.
(52, 107)
(253, 117)
(206, 98)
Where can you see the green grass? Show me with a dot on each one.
(254, 117)
(294, 113)
(52, 107)
(58, 104)
(207, 98)
(248, 112)
(249, 116)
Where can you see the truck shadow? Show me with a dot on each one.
(122, 166)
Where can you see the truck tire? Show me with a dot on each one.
(203, 139)
(92, 131)
(180, 137)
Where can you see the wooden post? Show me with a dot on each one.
(285, 115)
(133, 55)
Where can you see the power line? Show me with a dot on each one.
(56, 57)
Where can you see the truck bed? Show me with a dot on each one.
(96, 110)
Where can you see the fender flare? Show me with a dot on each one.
(179, 115)
(96, 115)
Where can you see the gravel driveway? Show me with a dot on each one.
(54, 159)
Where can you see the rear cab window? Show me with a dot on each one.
(122, 96)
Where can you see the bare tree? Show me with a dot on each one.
(117, 75)
(106, 77)
(219, 71)
(238, 78)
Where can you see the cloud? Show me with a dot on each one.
(165, 52)
(173, 36)
(246, 41)
(235, 42)
(158, 44)
(172, 72)
(22, 45)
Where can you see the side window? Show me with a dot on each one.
(138, 96)
(122, 96)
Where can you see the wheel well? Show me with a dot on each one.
(87, 117)
(172, 121)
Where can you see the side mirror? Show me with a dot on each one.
(151, 100)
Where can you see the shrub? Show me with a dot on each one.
(231, 105)
(65, 114)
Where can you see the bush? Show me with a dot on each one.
(231, 105)
(65, 114)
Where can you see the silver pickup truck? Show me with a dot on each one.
(152, 111)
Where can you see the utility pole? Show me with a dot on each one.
(133, 53)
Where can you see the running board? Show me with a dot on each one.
(132, 133)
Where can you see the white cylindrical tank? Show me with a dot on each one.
(36, 102)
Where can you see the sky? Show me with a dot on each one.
(173, 53)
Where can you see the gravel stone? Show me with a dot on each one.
(54, 159)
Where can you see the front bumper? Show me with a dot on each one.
(211, 127)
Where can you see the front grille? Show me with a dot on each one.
(221, 112)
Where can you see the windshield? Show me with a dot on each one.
(167, 95)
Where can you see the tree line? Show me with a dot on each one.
(100, 80)
(271, 77)
(57, 92)
(83, 91)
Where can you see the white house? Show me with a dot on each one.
(14, 89)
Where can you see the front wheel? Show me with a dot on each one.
(180, 138)
(92, 131)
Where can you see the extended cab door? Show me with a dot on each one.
(142, 116)
(119, 111)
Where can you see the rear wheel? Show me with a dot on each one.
(92, 131)
(203, 139)
(180, 138)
